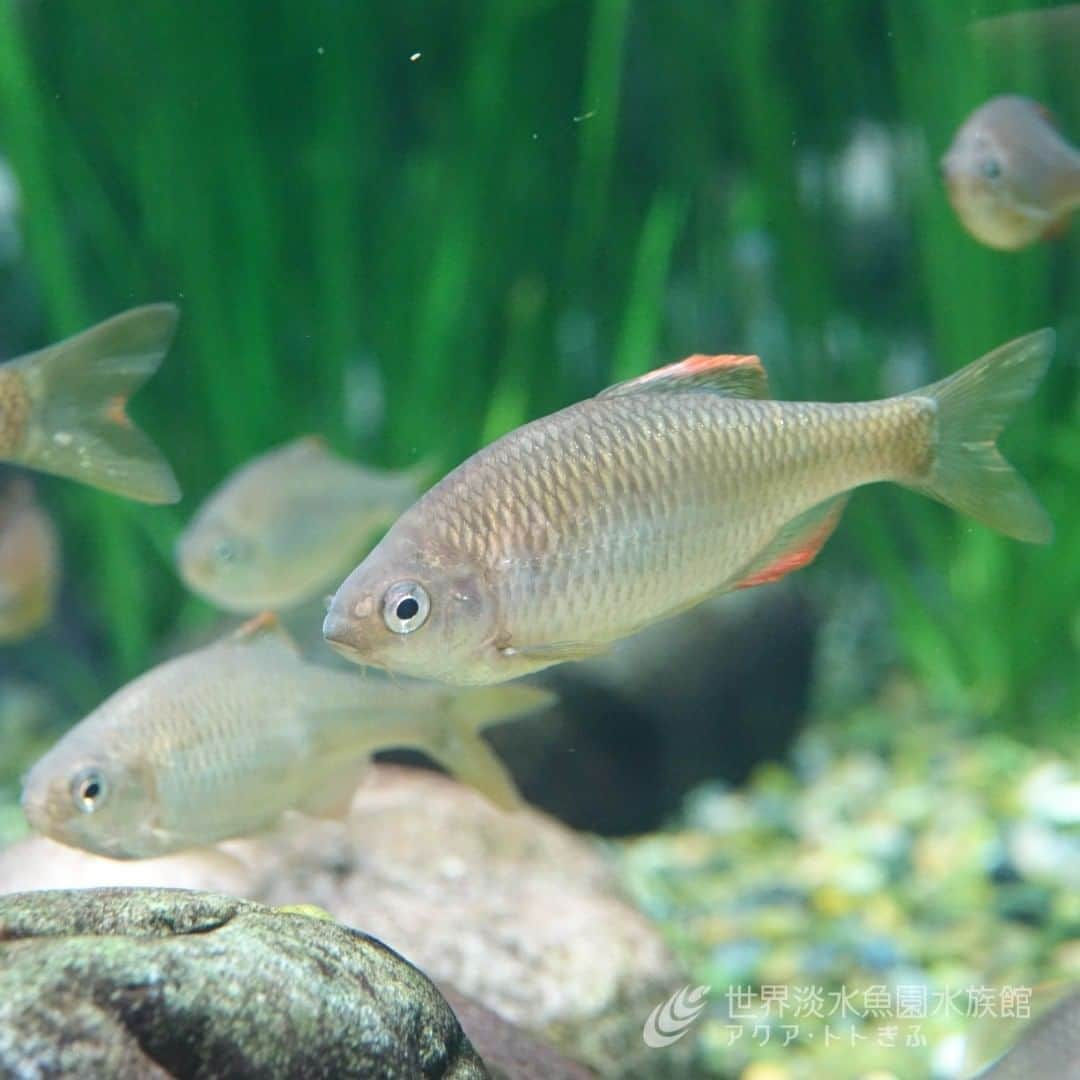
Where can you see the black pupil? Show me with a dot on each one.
(407, 609)
(91, 790)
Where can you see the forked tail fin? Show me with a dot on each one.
(968, 472)
(78, 391)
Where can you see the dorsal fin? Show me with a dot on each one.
(264, 627)
(313, 445)
(734, 376)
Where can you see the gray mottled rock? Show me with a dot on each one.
(156, 983)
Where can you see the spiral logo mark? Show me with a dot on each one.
(671, 1019)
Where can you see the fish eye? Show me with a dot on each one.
(89, 790)
(991, 168)
(229, 550)
(405, 607)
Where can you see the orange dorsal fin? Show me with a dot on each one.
(795, 546)
(735, 376)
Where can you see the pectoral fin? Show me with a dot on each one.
(795, 546)
(557, 652)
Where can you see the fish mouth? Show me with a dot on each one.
(339, 634)
(35, 811)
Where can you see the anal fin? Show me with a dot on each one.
(473, 762)
(796, 545)
(333, 798)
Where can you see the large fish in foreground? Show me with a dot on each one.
(1011, 176)
(221, 742)
(285, 526)
(62, 409)
(587, 525)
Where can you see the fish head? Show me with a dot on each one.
(246, 558)
(91, 800)
(991, 180)
(226, 563)
(414, 607)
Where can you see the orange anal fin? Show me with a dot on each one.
(796, 545)
(729, 374)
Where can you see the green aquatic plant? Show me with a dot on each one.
(412, 229)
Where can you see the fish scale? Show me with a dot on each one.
(664, 526)
(14, 411)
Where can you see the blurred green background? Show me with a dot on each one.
(412, 226)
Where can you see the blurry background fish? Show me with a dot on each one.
(1012, 177)
(287, 525)
(29, 561)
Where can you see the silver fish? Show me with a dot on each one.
(221, 742)
(1011, 177)
(284, 526)
(586, 526)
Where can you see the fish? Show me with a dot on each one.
(1049, 1045)
(1011, 176)
(585, 526)
(221, 742)
(285, 526)
(1044, 34)
(63, 408)
(29, 563)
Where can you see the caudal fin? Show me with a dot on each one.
(968, 472)
(79, 389)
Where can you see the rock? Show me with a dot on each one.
(36, 862)
(157, 982)
(508, 1052)
(514, 910)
